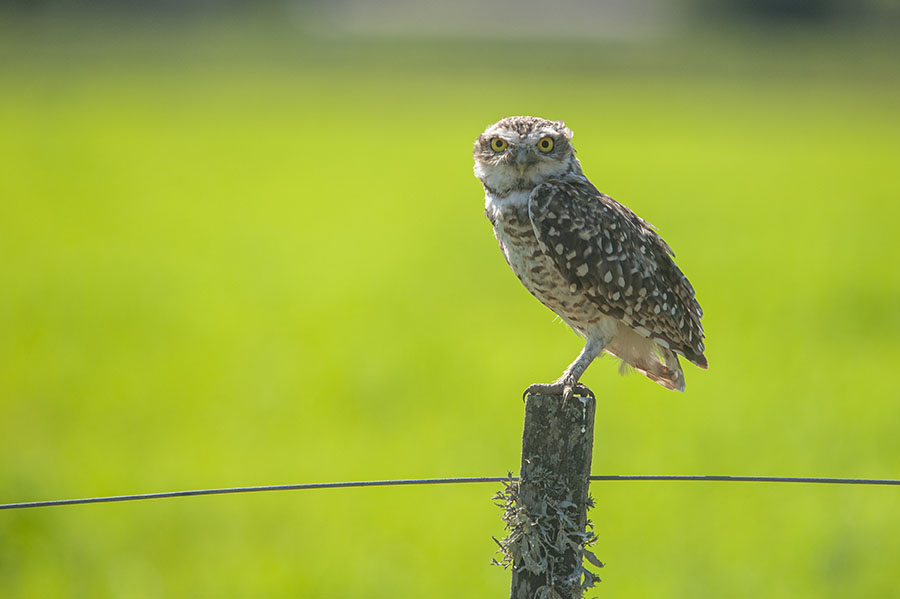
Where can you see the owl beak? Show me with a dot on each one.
(523, 160)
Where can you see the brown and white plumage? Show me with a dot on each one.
(594, 262)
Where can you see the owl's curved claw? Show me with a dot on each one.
(584, 391)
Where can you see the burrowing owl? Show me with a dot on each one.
(594, 262)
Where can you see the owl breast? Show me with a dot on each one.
(536, 271)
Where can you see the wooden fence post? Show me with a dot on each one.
(546, 511)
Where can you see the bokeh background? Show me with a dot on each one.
(242, 245)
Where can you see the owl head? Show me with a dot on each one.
(519, 152)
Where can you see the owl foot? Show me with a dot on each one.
(563, 388)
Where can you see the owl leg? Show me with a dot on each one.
(567, 385)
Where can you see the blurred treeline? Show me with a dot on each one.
(771, 11)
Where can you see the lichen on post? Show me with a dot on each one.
(546, 509)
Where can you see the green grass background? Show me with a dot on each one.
(234, 255)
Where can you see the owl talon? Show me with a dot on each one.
(582, 391)
(566, 391)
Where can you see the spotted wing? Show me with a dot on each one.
(616, 258)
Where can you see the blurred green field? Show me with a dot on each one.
(233, 256)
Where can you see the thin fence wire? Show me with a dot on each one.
(444, 481)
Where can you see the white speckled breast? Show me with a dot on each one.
(538, 274)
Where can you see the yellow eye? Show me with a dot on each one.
(545, 144)
(498, 144)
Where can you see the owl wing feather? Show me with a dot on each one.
(621, 264)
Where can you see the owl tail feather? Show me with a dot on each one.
(663, 369)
